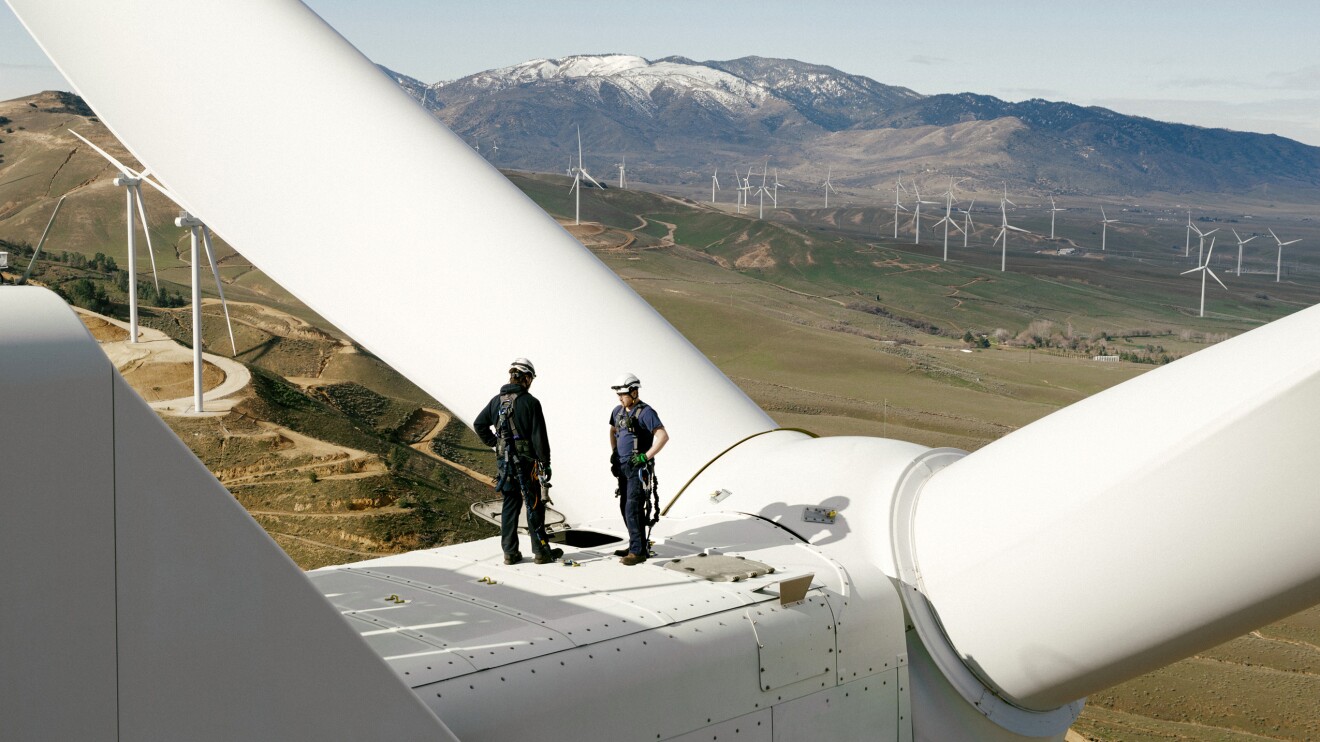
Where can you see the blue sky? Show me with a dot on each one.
(1245, 66)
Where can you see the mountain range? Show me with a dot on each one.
(677, 120)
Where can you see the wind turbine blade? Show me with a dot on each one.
(1291, 242)
(44, 233)
(123, 169)
(1016, 229)
(1275, 236)
(587, 175)
(146, 230)
(1193, 270)
(215, 271)
(959, 544)
(1212, 275)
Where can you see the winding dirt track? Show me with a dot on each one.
(424, 446)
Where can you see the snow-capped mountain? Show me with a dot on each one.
(674, 118)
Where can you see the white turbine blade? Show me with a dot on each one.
(1210, 251)
(146, 230)
(1170, 469)
(1290, 242)
(579, 137)
(1212, 275)
(210, 154)
(1016, 229)
(587, 175)
(901, 207)
(123, 169)
(1275, 236)
(215, 271)
(1193, 270)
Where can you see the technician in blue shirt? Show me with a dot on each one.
(636, 436)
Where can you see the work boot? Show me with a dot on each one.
(630, 559)
(513, 558)
(621, 552)
(546, 557)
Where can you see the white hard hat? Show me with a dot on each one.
(523, 366)
(626, 382)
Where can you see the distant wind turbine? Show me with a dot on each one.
(1004, 229)
(1204, 269)
(578, 174)
(948, 219)
(1241, 242)
(1053, 210)
(1278, 266)
(898, 204)
(967, 221)
(1188, 246)
(762, 192)
(623, 166)
(132, 184)
(1105, 221)
(195, 226)
(714, 184)
(1200, 248)
(829, 186)
(916, 215)
(774, 194)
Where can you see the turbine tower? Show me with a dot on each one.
(1004, 229)
(579, 172)
(1241, 242)
(1204, 269)
(828, 185)
(1105, 221)
(1053, 210)
(135, 209)
(898, 204)
(1278, 265)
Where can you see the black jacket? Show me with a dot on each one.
(527, 418)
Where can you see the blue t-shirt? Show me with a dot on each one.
(645, 423)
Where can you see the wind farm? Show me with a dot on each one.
(813, 313)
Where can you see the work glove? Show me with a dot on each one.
(614, 465)
(545, 472)
(638, 459)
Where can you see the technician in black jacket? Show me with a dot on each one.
(513, 424)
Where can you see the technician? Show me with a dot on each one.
(636, 436)
(512, 422)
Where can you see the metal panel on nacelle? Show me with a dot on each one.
(856, 712)
(755, 727)
(796, 642)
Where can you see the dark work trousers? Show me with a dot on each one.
(634, 510)
(514, 502)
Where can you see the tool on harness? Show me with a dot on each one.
(651, 506)
(511, 450)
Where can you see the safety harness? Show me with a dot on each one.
(646, 472)
(511, 448)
